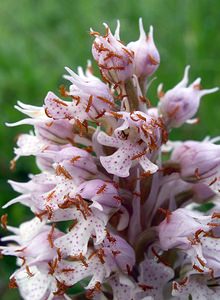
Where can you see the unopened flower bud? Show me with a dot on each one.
(146, 55)
(178, 226)
(114, 59)
(199, 161)
(181, 103)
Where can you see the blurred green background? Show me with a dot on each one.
(38, 38)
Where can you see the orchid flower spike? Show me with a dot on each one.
(120, 211)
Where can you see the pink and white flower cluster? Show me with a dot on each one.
(118, 208)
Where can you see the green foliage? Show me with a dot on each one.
(38, 38)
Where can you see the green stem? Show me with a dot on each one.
(145, 238)
(132, 95)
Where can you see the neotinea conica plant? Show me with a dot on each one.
(132, 227)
